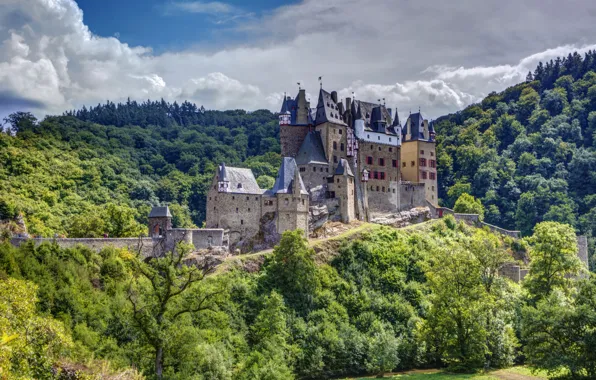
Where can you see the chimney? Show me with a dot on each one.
(302, 110)
(334, 96)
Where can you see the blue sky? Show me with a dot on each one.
(168, 25)
(439, 56)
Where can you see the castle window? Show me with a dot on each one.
(209, 198)
(390, 148)
(314, 168)
(335, 159)
(233, 197)
(303, 202)
(240, 186)
(341, 147)
(286, 201)
(334, 145)
(256, 198)
(393, 191)
(432, 176)
(421, 152)
(382, 174)
(403, 164)
(433, 163)
(423, 174)
(413, 163)
(236, 210)
(214, 208)
(381, 162)
(433, 186)
(379, 138)
(327, 170)
(248, 198)
(368, 137)
(377, 188)
(432, 154)
(371, 147)
(379, 149)
(340, 131)
(394, 163)
(369, 160)
(249, 209)
(423, 162)
(241, 221)
(383, 189)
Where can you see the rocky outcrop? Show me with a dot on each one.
(402, 218)
(317, 217)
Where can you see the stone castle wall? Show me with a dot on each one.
(238, 213)
(147, 246)
(412, 195)
(291, 138)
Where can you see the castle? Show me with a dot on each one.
(352, 158)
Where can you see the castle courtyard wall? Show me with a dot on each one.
(146, 246)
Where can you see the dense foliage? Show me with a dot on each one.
(529, 152)
(387, 300)
(59, 173)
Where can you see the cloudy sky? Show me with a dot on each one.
(437, 55)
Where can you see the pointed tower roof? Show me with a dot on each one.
(343, 168)
(396, 122)
(223, 173)
(284, 182)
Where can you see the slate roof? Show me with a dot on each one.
(160, 212)
(285, 178)
(365, 109)
(343, 167)
(311, 151)
(240, 180)
(416, 127)
(327, 110)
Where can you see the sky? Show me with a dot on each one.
(435, 55)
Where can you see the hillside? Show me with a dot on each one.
(374, 301)
(529, 152)
(61, 171)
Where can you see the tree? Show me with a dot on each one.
(293, 272)
(553, 259)
(20, 121)
(467, 204)
(561, 332)
(30, 342)
(164, 289)
(457, 308)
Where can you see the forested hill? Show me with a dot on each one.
(529, 152)
(61, 173)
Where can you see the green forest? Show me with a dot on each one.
(424, 297)
(378, 301)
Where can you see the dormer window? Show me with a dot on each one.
(240, 186)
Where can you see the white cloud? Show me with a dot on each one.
(436, 56)
(211, 8)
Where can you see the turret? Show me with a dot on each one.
(223, 182)
(160, 221)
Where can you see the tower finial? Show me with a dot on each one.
(321, 81)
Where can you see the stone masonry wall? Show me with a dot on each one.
(291, 138)
(238, 213)
(145, 245)
(412, 196)
(383, 194)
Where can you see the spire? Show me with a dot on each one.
(396, 122)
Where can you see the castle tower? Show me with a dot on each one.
(294, 123)
(160, 221)
(223, 182)
(292, 198)
(343, 185)
(418, 155)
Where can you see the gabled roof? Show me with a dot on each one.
(311, 151)
(240, 180)
(327, 110)
(284, 182)
(160, 212)
(343, 168)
